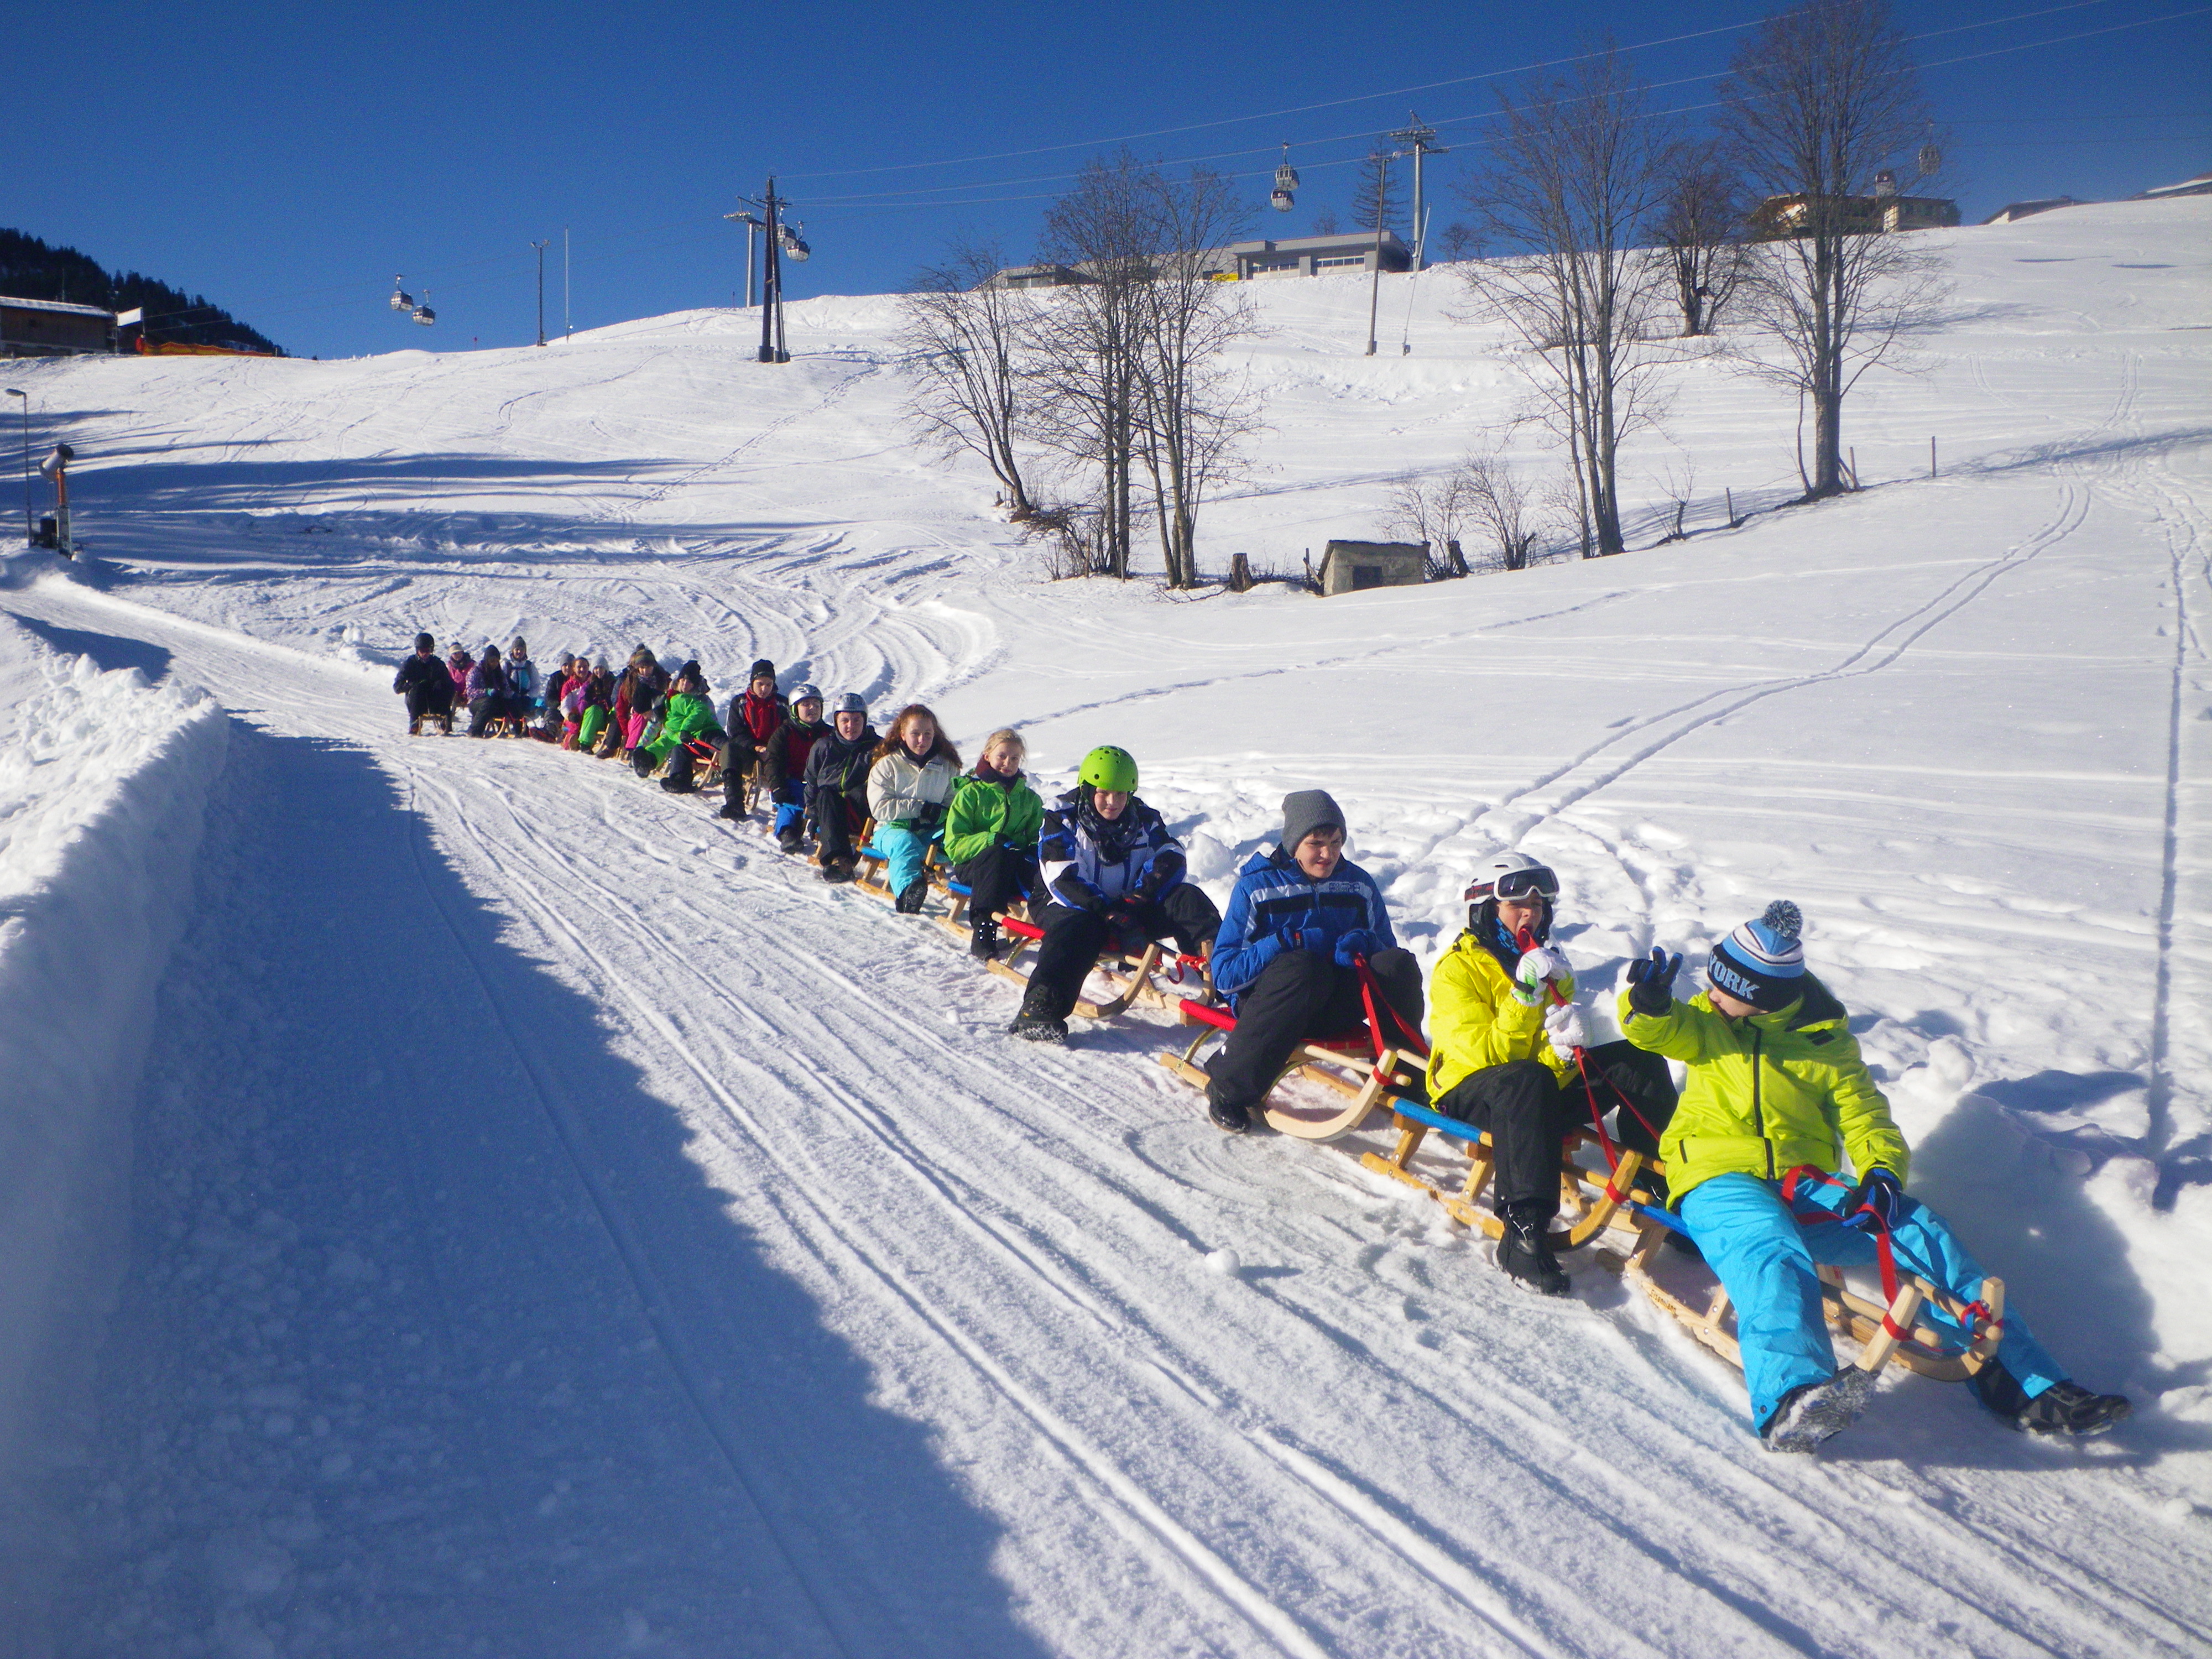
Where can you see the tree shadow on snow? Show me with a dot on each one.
(564, 1403)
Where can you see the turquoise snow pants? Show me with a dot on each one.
(1766, 1258)
(905, 853)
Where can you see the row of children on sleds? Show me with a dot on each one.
(1777, 1094)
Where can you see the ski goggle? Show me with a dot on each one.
(1518, 886)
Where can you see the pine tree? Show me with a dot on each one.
(1375, 180)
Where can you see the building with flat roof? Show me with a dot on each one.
(53, 328)
(1316, 256)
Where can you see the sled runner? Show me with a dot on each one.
(706, 770)
(1592, 1202)
(1351, 1063)
(1358, 1063)
(1886, 1331)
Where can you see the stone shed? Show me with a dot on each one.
(1349, 566)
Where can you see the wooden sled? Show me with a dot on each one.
(1130, 980)
(1352, 1065)
(1590, 1202)
(1885, 1332)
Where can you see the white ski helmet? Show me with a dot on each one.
(1510, 875)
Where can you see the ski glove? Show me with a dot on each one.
(1358, 942)
(1541, 968)
(1651, 982)
(1881, 1193)
(1298, 938)
(1567, 1028)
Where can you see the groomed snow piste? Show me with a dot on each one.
(556, 1223)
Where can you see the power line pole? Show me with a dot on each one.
(568, 319)
(1383, 160)
(1419, 140)
(540, 246)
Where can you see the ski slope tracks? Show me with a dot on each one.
(556, 1223)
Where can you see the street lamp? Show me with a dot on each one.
(29, 539)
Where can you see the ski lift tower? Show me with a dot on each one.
(779, 240)
(1418, 139)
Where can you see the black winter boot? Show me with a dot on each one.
(836, 869)
(983, 939)
(912, 897)
(1035, 1024)
(789, 840)
(1524, 1252)
(1813, 1412)
(1227, 1115)
(2062, 1409)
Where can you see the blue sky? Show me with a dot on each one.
(285, 161)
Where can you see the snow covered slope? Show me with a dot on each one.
(575, 1228)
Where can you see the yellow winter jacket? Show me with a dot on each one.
(1475, 1022)
(1767, 1092)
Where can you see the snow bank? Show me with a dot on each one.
(104, 780)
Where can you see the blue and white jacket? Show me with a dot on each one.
(1087, 864)
(1273, 895)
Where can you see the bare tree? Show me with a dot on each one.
(965, 335)
(1128, 376)
(1817, 105)
(1192, 413)
(1498, 502)
(1456, 240)
(1325, 224)
(1575, 177)
(1701, 227)
(1432, 508)
(1085, 375)
(1483, 497)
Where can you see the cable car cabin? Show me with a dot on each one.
(1285, 194)
(424, 315)
(1355, 567)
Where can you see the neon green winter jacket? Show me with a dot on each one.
(683, 718)
(983, 812)
(1475, 1021)
(1767, 1092)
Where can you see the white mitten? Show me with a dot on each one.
(1567, 1028)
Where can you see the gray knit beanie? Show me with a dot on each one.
(1305, 810)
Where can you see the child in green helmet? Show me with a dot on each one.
(1110, 873)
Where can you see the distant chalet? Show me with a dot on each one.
(53, 328)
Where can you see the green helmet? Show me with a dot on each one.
(1109, 768)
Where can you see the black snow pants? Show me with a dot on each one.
(1301, 994)
(1528, 1113)
(1073, 939)
(995, 878)
(490, 707)
(427, 699)
(837, 821)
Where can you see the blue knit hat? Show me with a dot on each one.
(1761, 963)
